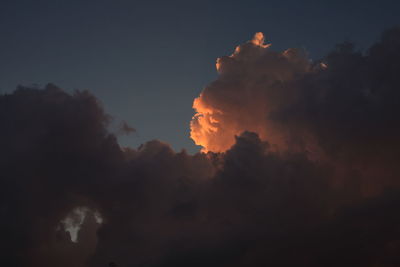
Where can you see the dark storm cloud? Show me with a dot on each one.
(351, 110)
(329, 202)
(54, 148)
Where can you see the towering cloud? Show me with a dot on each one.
(253, 83)
(341, 109)
(301, 170)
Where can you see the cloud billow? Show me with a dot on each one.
(306, 173)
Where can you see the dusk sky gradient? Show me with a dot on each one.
(147, 60)
(294, 106)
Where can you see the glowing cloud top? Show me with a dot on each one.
(251, 84)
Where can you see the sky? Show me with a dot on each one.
(298, 141)
(146, 61)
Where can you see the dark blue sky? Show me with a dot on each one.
(147, 60)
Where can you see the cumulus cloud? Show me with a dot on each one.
(55, 149)
(301, 170)
(342, 108)
(253, 82)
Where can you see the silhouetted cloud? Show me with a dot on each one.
(55, 150)
(308, 176)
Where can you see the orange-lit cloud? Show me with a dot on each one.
(252, 82)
